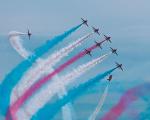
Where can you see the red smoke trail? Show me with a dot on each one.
(128, 98)
(14, 107)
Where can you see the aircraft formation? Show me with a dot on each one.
(98, 44)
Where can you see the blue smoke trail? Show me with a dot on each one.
(15, 75)
(49, 110)
(145, 115)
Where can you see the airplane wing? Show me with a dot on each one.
(90, 54)
(116, 63)
(86, 50)
(96, 42)
(116, 53)
(87, 24)
(121, 68)
(93, 28)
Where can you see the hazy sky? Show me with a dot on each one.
(46, 17)
(127, 21)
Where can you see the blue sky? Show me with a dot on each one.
(127, 21)
(49, 17)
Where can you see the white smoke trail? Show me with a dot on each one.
(53, 87)
(16, 42)
(43, 67)
(82, 69)
(100, 104)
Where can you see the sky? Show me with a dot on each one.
(126, 21)
(49, 17)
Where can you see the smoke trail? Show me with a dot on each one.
(81, 70)
(43, 49)
(100, 104)
(67, 112)
(54, 87)
(13, 108)
(16, 42)
(145, 115)
(52, 109)
(15, 75)
(55, 58)
(128, 98)
(44, 66)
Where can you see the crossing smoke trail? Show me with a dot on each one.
(100, 104)
(13, 108)
(54, 87)
(127, 99)
(53, 108)
(15, 75)
(44, 66)
(16, 42)
(53, 59)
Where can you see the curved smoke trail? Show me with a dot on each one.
(16, 41)
(44, 66)
(100, 104)
(54, 87)
(128, 98)
(15, 75)
(13, 108)
(53, 108)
